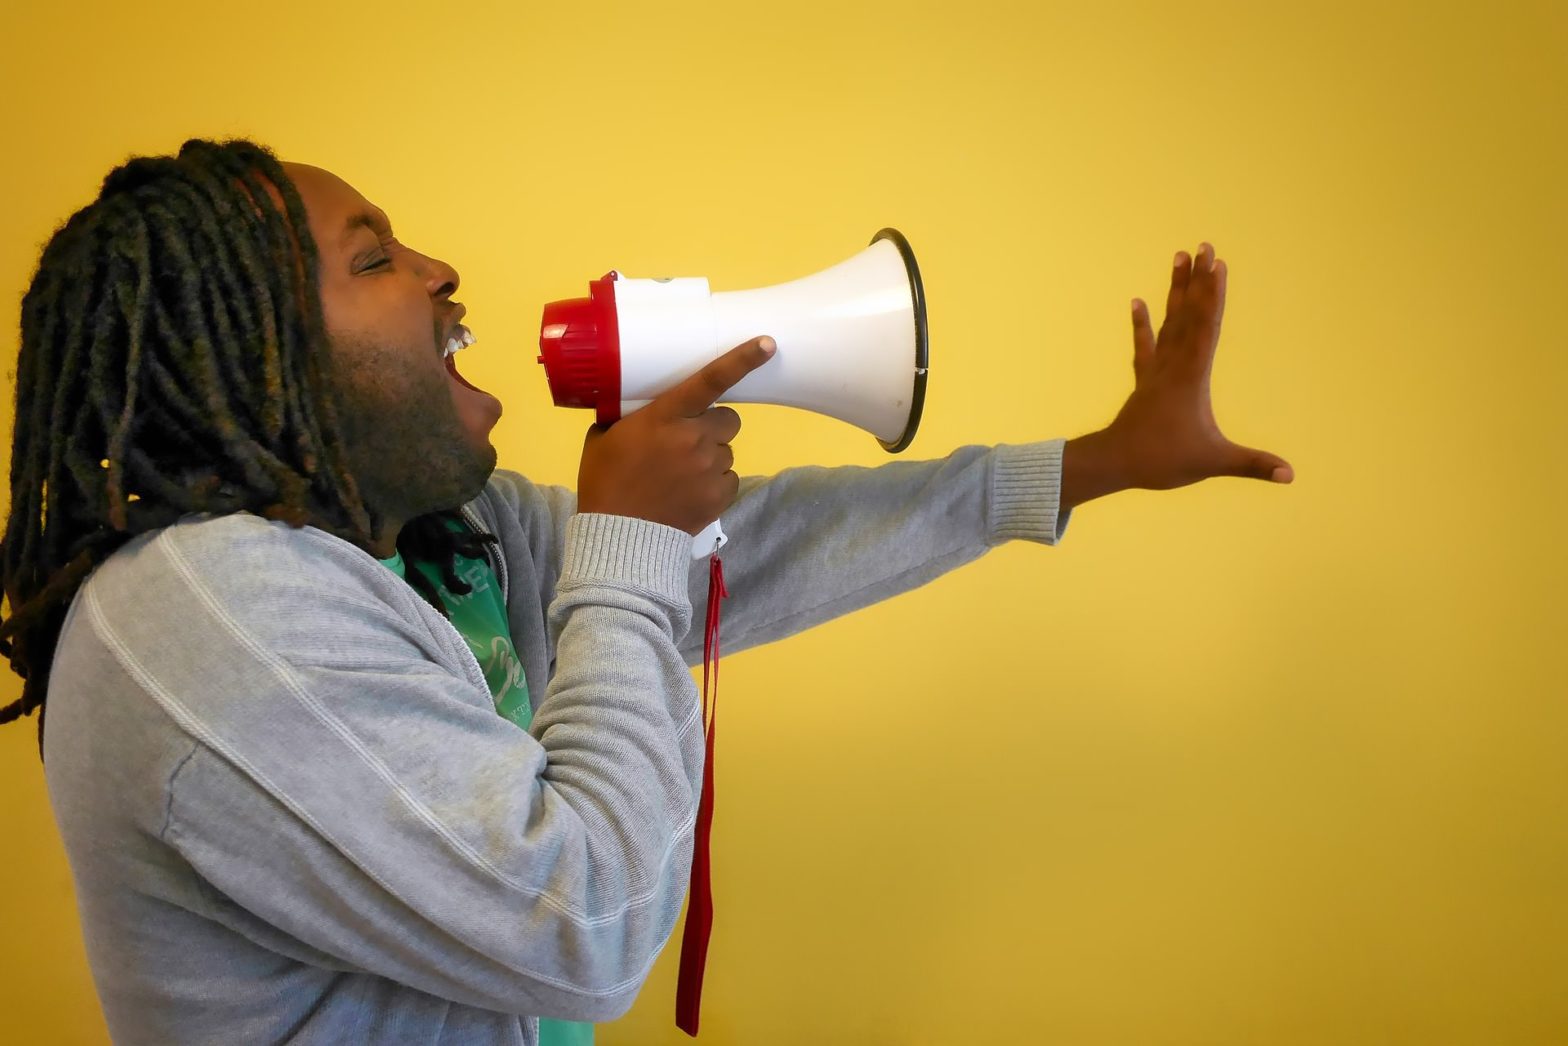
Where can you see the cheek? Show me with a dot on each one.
(381, 385)
(379, 310)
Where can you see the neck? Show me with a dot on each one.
(384, 544)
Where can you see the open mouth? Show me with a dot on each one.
(461, 338)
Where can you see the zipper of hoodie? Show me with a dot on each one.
(492, 552)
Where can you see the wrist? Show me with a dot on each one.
(1093, 465)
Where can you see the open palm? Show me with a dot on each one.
(1166, 429)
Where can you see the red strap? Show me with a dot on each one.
(699, 909)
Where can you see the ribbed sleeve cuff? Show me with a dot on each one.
(626, 551)
(1026, 490)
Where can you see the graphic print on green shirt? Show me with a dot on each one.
(480, 618)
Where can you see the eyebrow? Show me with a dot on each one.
(362, 220)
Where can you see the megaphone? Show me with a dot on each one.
(852, 343)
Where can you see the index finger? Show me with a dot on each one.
(703, 389)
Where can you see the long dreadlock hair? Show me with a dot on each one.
(174, 360)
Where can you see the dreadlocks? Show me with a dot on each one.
(173, 361)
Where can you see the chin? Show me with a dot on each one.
(483, 465)
(452, 480)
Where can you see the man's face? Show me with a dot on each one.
(417, 435)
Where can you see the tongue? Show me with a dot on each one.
(451, 368)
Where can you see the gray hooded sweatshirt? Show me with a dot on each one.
(293, 814)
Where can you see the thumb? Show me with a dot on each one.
(1250, 463)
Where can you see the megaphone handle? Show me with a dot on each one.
(709, 541)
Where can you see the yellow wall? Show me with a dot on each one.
(1238, 763)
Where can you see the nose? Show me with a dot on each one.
(441, 279)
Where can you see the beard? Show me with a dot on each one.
(404, 443)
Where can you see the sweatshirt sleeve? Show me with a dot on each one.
(810, 544)
(414, 833)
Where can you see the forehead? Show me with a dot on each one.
(331, 204)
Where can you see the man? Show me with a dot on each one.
(352, 737)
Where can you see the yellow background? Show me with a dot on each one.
(1239, 763)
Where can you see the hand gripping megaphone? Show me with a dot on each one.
(852, 344)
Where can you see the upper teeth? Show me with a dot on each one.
(459, 340)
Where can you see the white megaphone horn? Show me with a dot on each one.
(852, 344)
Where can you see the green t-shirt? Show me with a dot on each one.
(480, 618)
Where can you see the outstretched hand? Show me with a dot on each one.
(1165, 434)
